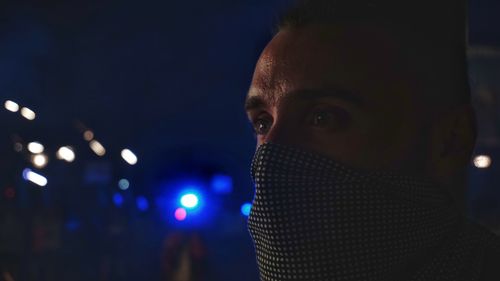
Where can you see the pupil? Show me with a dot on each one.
(319, 118)
(262, 126)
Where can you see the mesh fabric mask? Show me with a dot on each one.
(315, 219)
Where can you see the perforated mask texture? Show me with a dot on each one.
(315, 219)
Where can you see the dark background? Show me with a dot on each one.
(166, 79)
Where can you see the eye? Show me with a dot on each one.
(322, 118)
(330, 118)
(262, 125)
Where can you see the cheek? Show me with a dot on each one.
(380, 146)
(394, 146)
(350, 148)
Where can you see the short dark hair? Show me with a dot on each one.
(432, 34)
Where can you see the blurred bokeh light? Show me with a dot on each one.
(142, 101)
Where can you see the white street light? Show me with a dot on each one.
(129, 156)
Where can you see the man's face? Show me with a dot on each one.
(339, 91)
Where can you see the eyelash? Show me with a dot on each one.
(340, 117)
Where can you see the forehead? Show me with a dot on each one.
(359, 59)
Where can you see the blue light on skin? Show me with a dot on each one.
(245, 209)
(118, 199)
(142, 203)
(222, 184)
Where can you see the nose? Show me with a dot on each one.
(285, 132)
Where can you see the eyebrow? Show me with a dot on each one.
(254, 102)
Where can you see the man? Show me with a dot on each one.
(364, 131)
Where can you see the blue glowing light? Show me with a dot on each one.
(222, 184)
(185, 202)
(118, 199)
(142, 203)
(245, 209)
(189, 200)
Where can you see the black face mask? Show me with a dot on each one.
(314, 219)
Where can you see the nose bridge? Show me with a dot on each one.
(284, 131)
(276, 134)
